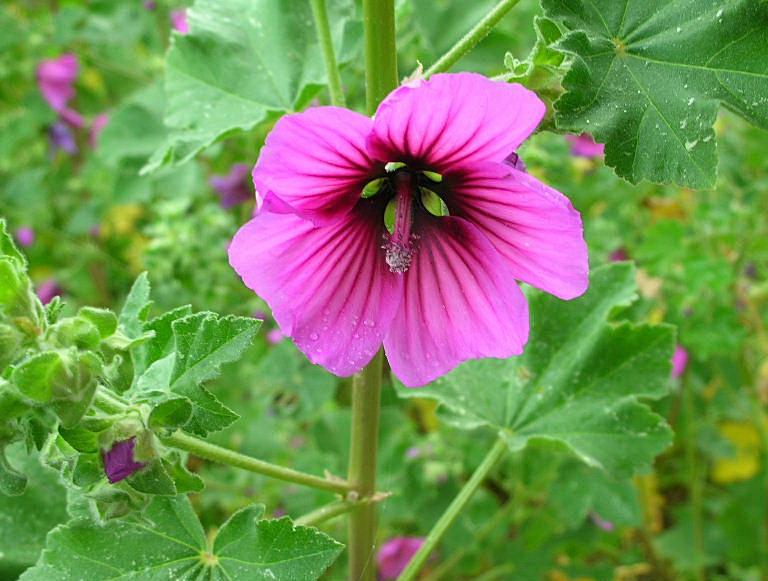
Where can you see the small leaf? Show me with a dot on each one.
(153, 479)
(37, 375)
(171, 413)
(103, 319)
(135, 309)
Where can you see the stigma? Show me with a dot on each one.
(399, 242)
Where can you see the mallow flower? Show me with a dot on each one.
(585, 146)
(179, 21)
(409, 230)
(395, 554)
(55, 79)
(232, 188)
(679, 361)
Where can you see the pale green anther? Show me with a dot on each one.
(433, 176)
(393, 166)
(433, 203)
(372, 188)
(389, 215)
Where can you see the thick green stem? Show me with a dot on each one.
(453, 510)
(470, 40)
(380, 51)
(112, 404)
(215, 453)
(320, 14)
(366, 399)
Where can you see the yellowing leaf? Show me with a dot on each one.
(745, 462)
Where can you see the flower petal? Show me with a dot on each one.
(532, 225)
(329, 287)
(454, 118)
(315, 162)
(460, 302)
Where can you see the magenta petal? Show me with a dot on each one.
(452, 119)
(585, 146)
(55, 78)
(395, 554)
(534, 227)
(329, 287)
(460, 302)
(316, 163)
(119, 463)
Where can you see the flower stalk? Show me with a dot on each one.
(453, 510)
(471, 38)
(320, 14)
(366, 400)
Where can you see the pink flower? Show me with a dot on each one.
(679, 361)
(60, 137)
(97, 125)
(55, 78)
(47, 290)
(233, 188)
(584, 146)
(274, 336)
(179, 21)
(394, 555)
(426, 260)
(601, 523)
(25, 236)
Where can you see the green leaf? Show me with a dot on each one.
(243, 62)
(649, 76)
(153, 479)
(136, 307)
(25, 520)
(205, 341)
(170, 544)
(171, 413)
(12, 482)
(8, 246)
(577, 382)
(37, 375)
(202, 343)
(103, 319)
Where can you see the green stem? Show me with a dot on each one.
(215, 453)
(471, 38)
(380, 51)
(320, 14)
(325, 513)
(453, 510)
(366, 399)
(111, 403)
(489, 527)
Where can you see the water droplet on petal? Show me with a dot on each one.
(314, 336)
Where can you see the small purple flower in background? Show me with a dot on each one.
(55, 78)
(679, 361)
(601, 523)
(395, 554)
(274, 336)
(584, 146)
(409, 229)
(150, 4)
(47, 290)
(97, 125)
(179, 21)
(25, 236)
(60, 137)
(618, 255)
(413, 452)
(118, 461)
(233, 188)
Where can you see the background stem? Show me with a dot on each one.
(320, 14)
(470, 40)
(366, 400)
(453, 510)
(380, 52)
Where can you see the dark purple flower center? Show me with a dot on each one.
(409, 196)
